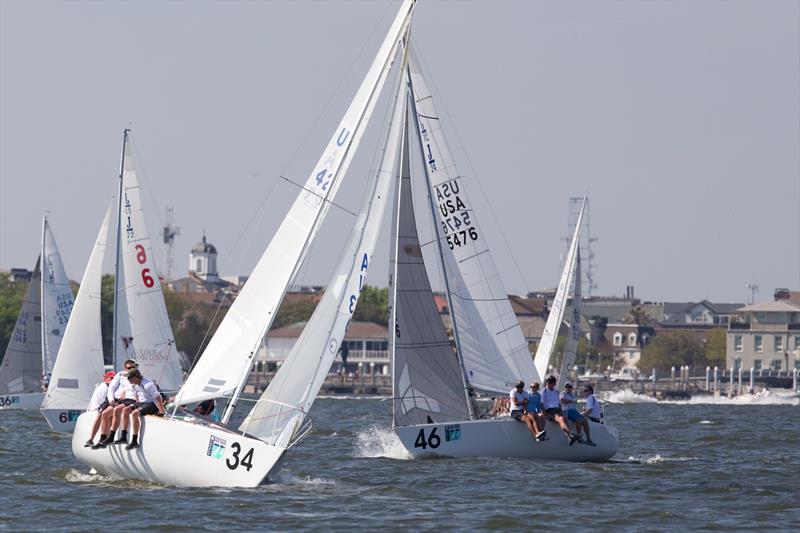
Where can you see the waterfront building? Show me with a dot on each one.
(766, 335)
(203, 276)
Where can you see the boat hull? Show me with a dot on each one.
(181, 452)
(29, 402)
(505, 437)
(62, 420)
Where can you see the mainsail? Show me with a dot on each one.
(79, 365)
(227, 359)
(493, 348)
(153, 340)
(556, 316)
(21, 370)
(571, 346)
(426, 375)
(57, 299)
(287, 400)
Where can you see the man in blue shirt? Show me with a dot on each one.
(570, 408)
(535, 412)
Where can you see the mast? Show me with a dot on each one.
(125, 133)
(438, 240)
(42, 300)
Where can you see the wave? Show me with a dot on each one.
(286, 478)
(379, 441)
(765, 397)
(656, 459)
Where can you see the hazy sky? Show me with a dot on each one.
(681, 120)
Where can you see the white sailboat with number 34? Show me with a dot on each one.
(189, 451)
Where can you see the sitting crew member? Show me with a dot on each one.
(205, 408)
(148, 402)
(593, 410)
(570, 409)
(519, 401)
(534, 412)
(551, 403)
(119, 395)
(98, 403)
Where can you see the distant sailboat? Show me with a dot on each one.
(433, 408)
(37, 335)
(181, 450)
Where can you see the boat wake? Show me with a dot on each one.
(379, 441)
(762, 398)
(656, 459)
(286, 478)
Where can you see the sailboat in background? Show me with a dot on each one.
(182, 450)
(37, 335)
(79, 366)
(141, 329)
(433, 409)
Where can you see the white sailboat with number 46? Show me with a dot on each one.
(433, 408)
(184, 450)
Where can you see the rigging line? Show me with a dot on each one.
(347, 75)
(317, 195)
(472, 168)
(147, 181)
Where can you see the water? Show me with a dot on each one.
(688, 465)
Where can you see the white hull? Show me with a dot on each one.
(181, 453)
(505, 437)
(62, 420)
(29, 402)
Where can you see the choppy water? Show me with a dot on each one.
(682, 465)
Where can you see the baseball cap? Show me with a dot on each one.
(520, 383)
(109, 375)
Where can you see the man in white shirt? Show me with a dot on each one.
(148, 402)
(519, 402)
(98, 403)
(119, 395)
(551, 403)
(593, 410)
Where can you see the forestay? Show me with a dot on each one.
(426, 375)
(79, 365)
(571, 346)
(556, 316)
(21, 369)
(284, 405)
(227, 359)
(57, 299)
(153, 341)
(493, 348)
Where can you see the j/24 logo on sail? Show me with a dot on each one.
(216, 447)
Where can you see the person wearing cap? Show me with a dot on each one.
(593, 411)
(534, 412)
(148, 402)
(570, 408)
(98, 403)
(120, 395)
(519, 401)
(551, 403)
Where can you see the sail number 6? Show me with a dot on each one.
(141, 258)
(433, 439)
(234, 462)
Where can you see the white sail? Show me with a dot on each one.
(426, 376)
(79, 365)
(21, 369)
(493, 348)
(556, 316)
(57, 299)
(571, 346)
(227, 359)
(153, 340)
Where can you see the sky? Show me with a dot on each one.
(680, 120)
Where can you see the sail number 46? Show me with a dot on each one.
(433, 439)
(234, 461)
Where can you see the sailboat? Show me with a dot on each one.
(434, 412)
(141, 329)
(188, 451)
(37, 335)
